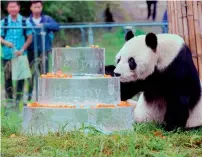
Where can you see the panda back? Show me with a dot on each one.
(178, 77)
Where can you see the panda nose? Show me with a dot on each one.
(117, 74)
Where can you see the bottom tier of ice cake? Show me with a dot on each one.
(107, 120)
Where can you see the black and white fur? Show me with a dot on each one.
(161, 67)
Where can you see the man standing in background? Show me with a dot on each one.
(108, 16)
(37, 18)
(15, 42)
(149, 4)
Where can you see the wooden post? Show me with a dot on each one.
(180, 19)
(185, 19)
(185, 25)
(172, 16)
(175, 16)
(197, 37)
(192, 39)
(169, 17)
(200, 19)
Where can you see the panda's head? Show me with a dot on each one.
(137, 58)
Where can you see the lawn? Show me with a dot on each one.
(146, 140)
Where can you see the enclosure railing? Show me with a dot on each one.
(90, 27)
(82, 27)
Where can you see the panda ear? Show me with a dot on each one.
(129, 35)
(151, 41)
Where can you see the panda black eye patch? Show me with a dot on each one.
(131, 63)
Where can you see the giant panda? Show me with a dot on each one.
(161, 68)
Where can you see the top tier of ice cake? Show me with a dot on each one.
(79, 61)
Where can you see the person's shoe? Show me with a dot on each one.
(29, 98)
(9, 96)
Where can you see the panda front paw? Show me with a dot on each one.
(132, 102)
(169, 128)
(172, 127)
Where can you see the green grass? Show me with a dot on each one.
(143, 141)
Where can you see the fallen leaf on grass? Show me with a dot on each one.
(159, 134)
(106, 151)
(12, 135)
(20, 150)
(37, 149)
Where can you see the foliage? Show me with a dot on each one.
(71, 11)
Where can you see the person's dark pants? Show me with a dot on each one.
(149, 4)
(8, 82)
(36, 72)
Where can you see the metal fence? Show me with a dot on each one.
(91, 26)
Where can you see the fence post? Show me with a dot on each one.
(164, 29)
(83, 37)
(36, 64)
(43, 34)
(90, 36)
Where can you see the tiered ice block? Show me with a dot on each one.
(79, 90)
(79, 61)
(87, 88)
(106, 120)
